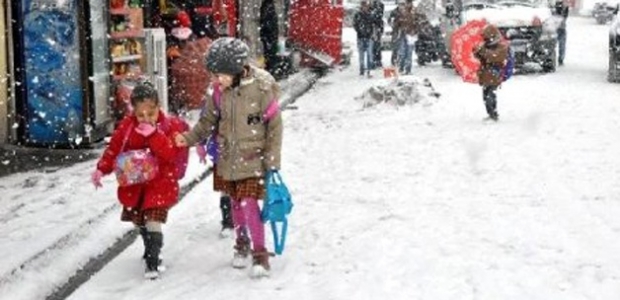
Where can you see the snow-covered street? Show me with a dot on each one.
(423, 201)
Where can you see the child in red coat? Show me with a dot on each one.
(146, 204)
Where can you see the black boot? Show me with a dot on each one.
(227, 222)
(490, 102)
(154, 242)
(142, 231)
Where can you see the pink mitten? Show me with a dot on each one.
(95, 178)
(201, 150)
(145, 129)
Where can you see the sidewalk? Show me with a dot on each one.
(53, 222)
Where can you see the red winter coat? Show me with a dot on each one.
(190, 77)
(163, 190)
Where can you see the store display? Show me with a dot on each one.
(126, 52)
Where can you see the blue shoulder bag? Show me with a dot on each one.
(278, 204)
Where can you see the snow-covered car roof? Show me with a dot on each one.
(513, 3)
(509, 16)
(477, 5)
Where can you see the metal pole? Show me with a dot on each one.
(11, 105)
(4, 105)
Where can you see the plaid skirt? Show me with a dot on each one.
(140, 217)
(218, 181)
(245, 188)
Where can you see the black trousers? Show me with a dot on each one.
(489, 96)
(377, 57)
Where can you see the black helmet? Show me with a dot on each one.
(228, 56)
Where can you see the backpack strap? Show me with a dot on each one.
(279, 238)
(217, 98)
(126, 137)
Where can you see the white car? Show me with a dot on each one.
(530, 28)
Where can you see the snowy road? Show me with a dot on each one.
(425, 202)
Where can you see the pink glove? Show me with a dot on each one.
(201, 150)
(95, 178)
(145, 129)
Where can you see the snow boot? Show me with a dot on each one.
(227, 222)
(242, 252)
(154, 242)
(260, 263)
(143, 234)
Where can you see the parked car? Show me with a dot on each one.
(530, 28)
(477, 5)
(603, 13)
(597, 6)
(613, 74)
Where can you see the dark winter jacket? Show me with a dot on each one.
(163, 190)
(364, 24)
(408, 22)
(561, 10)
(492, 55)
(377, 9)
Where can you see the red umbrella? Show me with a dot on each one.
(463, 42)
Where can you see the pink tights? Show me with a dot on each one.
(246, 216)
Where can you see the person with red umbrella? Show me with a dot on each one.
(492, 54)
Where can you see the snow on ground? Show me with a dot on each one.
(61, 210)
(411, 202)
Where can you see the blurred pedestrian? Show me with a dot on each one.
(269, 35)
(492, 55)
(189, 77)
(406, 26)
(364, 26)
(561, 10)
(394, 38)
(377, 10)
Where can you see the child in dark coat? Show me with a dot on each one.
(492, 55)
(146, 204)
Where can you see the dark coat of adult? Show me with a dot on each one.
(492, 55)
(408, 22)
(377, 9)
(364, 24)
(561, 10)
(269, 34)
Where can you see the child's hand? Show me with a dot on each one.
(95, 178)
(180, 140)
(202, 153)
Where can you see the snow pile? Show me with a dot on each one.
(400, 92)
